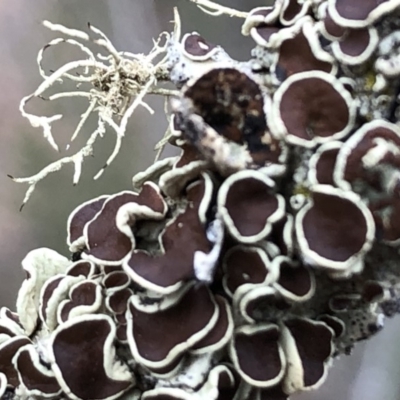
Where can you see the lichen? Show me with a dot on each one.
(243, 267)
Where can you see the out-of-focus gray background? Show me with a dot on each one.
(373, 370)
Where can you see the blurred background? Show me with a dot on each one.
(371, 373)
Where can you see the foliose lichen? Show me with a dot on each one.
(240, 269)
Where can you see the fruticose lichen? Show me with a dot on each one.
(240, 269)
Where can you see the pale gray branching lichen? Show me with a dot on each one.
(214, 9)
(118, 83)
(243, 267)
